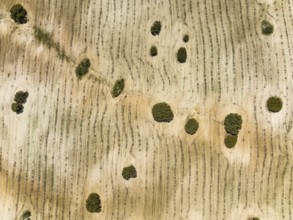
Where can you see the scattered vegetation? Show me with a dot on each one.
(191, 126)
(274, 104)
(129, 172)
(156, 28)
(93, 203)
(46, 38)
(153, 51)
(82, 68)
(230, 140)
(162, 112)
(20, 97)
(185, 38)
(118, 88)
(18, 14)
(26, 215)
(233, 123)
(266, 27)
(181, 55)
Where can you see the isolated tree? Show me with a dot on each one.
(17, 107)
(230, 140)
(129, 172)
(156, 28)
(162, 112)
(18, 14)
(118, 88)
(83, 68)
(26, 215)
(274, 104)
(21, 97)
(185, 38)
(182, 55)
(93, 203)
(266, 27)
(153, 51)
(233, 123)
(191, 126)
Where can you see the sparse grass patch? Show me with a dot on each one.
(182, 55)
(233, 123)
(82, 68)
(18, 14)
(153, 51)
(129, 172)
(191, 126)
(266, 27)
(162, 112)
(118, 88)
(185, 38)
(156, 28)
(26, 215)
(274, 104)
(93, 203)
(46, 38)
(230, 140)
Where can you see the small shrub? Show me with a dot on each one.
(26, 215)
(181, 55)
(266, 27)
(93, 203)
(118, 88)
(191, 126)
(185, 38)
(255, 218)
(17, 107)
(233, 123)
(21, 97)
(129, 172)
(230, 140)
(156, 28)
(153, 51)
(162, 112)
(274, 104)
(18, 14)
(83, 68)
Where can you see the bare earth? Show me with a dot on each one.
(73, 138)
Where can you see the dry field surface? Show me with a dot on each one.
(74, 138)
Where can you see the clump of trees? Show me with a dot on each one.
(162, 112)
(266, 27)
(20, 99)
(82, 68)
(129, 172)
(156, 28)
(274, 104)
(26, 215)
(182, 55)
(18, 14)
(230, 140)
(93, 203)
(118, 88)
(191, 126)
(153, 51)
(233, 123)
(185, 38)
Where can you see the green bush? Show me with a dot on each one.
(153, 51)
(181, 55)
(17, 107)
(93, 203)
(266, 27)
(26, 215)
(156, 28)
(255, 218)
(118, 88)
(162, 112)
(21, 97)
(274, 104)
(129, 172)
(186, 38)
(233, 123)
(18, 14)
(191, 126)
(230, 140)
(82, 68)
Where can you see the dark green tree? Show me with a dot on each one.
(230, 140)
(17, 107)
(83, 68)
(186, 38)
(118, 88)
(233, 123)
(274, 104)
(156, 28)
(26, 215)
(21, 97)
(153, 51)
(182, 55)
(162, 112)
(129, 172)
(18, 14)
(93, 203)
(266, 27)
(191, 126)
